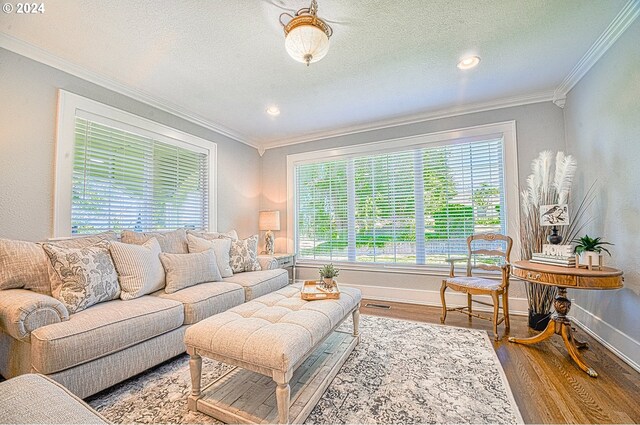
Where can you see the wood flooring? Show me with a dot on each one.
(547, 385)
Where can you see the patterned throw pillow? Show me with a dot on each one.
(139, 268)
(184, 270)
(173, 242)
(244, 255)
(23, 265)
(221, 248)
(87, 274)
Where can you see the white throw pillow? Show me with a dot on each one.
(140, 271)
(184, 270)
(221, 249)
(214, 235)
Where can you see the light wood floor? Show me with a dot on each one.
(547, 385)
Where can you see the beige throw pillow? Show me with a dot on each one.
(221, 249)
(231, 234)
(24, 265)
(87, 275)
(184, 270)
(139, 268)
(244, 255)
(174, 242)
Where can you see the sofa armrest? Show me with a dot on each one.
(23, 311)
(267, 262)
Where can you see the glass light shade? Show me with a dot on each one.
(307, 42)
(269, 220)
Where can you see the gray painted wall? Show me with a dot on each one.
(602, 120)
(28, 91)
(539, 126)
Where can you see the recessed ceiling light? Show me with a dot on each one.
(273, 110)
(469, 62)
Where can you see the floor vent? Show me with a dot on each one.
(382, 306)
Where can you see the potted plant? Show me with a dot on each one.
(590, 249)
(327, 273)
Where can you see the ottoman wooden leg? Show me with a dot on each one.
(195, 368)
(283, 398)
(356, 321)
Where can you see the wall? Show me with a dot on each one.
(602, 122)
(539, 126)
(28, 91)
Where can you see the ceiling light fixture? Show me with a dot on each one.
(469, 62)
(273, 110)
(306, 35)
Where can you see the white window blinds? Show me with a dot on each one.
(123, 180)
(414, 206)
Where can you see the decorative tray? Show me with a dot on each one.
(313, 290)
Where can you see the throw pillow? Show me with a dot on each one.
(244, 255)
(173, 242)
(87, 275)
(75, 242)
(23, 265)
(184, 270)
(221, 249)
(231, 234)
(139, 268)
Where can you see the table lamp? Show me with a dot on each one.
(268, 221)
(554, 215)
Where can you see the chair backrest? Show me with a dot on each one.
(489, 237)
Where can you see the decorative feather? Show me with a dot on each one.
(546, 158)
(532, 189)
(566, 167)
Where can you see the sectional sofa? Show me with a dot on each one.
(111, 341)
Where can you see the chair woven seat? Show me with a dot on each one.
(474, 282)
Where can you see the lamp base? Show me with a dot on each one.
(269, 242)
(554, 238)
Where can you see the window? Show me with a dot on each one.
(402, 202)
(119, 171)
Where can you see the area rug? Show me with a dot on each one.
(401, 372)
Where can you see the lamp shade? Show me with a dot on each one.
(269, 220)
(307, 43)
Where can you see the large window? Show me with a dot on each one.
(124, 172)
(399, 204)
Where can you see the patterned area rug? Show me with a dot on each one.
(401, 372)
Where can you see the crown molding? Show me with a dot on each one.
(616, 28)
(546, 96)
(40, 55)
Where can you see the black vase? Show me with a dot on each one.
(539, 321)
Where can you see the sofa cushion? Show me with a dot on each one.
(173, 242)
(23, 265)
(87, 274)
(140, 271)
(185, 270)
(206, 299)
(221, 247)
(231, 234)
(100, 330)
(257, 284)
(244, 255)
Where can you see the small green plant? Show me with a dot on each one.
(328, 271)
(587, 244)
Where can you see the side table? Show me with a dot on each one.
(287, 261)
(563, 278)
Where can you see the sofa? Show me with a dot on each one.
(92, 349)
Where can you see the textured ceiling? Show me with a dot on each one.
(225, 60)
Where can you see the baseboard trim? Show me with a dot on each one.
(517, 306)
(616, 341)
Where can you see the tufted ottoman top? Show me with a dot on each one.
(274, 331)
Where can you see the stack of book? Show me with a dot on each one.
(554, 260)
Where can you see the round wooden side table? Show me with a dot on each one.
(563, 278)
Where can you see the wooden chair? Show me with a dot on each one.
(472, 285)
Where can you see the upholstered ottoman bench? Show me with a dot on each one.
(277, 337)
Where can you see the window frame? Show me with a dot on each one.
(70, 106)
(506, 130)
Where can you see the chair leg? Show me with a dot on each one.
(496, 308)
(469, 305)
(444, 304)
(505, 308)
